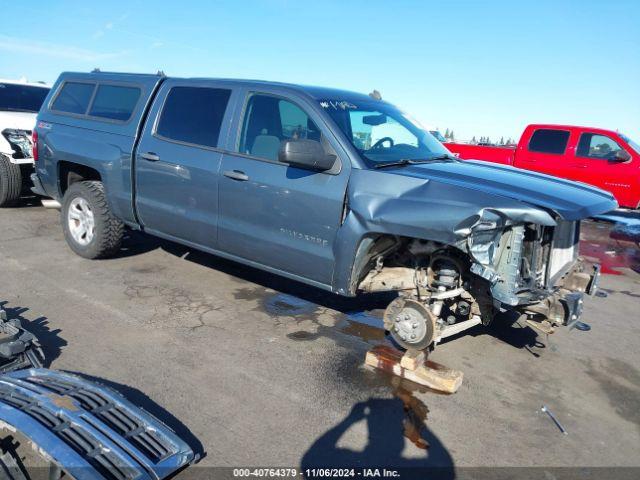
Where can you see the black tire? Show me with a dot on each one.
(10, 182)
(108, 230)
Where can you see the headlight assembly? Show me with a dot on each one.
(19, 141)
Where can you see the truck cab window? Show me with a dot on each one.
(270, 120)
(74, 97)
(115, 102)
(592, 145)
(549, 141)
(193, 115)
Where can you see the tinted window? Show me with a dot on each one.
(549, 141)
(268, 121)
(114, 102)
(21, 98)
(74, 97)
(193, 115)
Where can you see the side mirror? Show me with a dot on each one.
(621, 156)
(303, 153)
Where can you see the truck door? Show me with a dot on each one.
(276, 215)
(597, 162)
(545, 152)
(177, 162)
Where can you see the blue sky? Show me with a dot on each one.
(481, 68)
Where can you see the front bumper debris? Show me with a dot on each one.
(564, 305)
(18, 347)
(88, 430)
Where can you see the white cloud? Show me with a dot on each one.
(21, 45)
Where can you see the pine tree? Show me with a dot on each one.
(473, 140)
(447, 134)
(451, 136)
(501, 140)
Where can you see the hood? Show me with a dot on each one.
(17, 120)
(570, 200)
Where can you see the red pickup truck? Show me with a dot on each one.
(606, 159)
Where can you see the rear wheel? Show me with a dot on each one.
(90, 228)
(10, 182)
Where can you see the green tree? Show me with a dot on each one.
(501, 140)
(473, 140)
(446, 133)
(452, 137)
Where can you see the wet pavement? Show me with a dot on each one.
(254, 369)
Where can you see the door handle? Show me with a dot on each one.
(149, 156)
(579, 165)
(236, 175)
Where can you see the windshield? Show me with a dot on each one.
(21, 98)
(631, 143)
(381, 133)
(438, 136)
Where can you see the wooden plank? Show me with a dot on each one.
(429, 374)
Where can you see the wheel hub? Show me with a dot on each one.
(81, 221)
(410, 323)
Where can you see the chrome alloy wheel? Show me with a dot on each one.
(80, 219)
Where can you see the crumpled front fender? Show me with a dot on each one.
(380, 202)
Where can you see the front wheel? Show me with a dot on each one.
(10, 182)
(90, 228)
(411, 324)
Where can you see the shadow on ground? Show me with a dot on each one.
(141, 399)
(50, 340)
(388, 422)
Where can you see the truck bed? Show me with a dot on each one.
(503, 155)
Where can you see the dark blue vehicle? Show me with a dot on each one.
(336, 189)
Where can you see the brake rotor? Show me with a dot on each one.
(411, 324)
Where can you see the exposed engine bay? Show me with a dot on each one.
(531, 269)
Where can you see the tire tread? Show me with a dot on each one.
(109, 241)
(10, 182)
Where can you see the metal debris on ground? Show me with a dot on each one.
(83, 429)
(18, 347)
(553, 417)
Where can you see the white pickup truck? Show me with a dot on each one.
(20, 102)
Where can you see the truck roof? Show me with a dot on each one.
(569, 127)
(24, 81)
(318, 93)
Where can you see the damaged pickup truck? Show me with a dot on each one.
(336, 189)
(19, 103)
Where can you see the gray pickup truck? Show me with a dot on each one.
(339, 190)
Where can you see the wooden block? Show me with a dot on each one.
(429, 374)
(412, 359)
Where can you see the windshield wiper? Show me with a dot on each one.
(417, 161)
